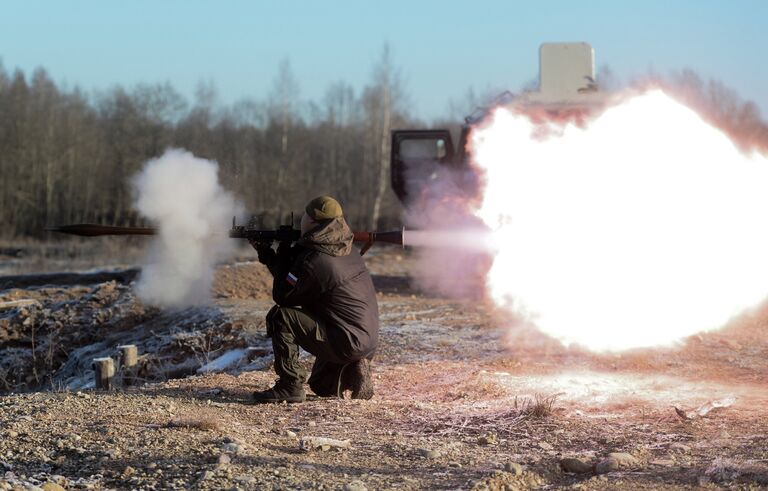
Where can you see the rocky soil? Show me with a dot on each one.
(465, 399)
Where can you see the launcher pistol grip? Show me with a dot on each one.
(286, 233)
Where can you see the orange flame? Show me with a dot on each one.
(642, 227)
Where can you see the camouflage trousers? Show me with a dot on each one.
(293, 328)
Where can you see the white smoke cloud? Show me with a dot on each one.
(182, 196)
(637, 230)
(451, 243)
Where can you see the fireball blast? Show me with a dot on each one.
(618, 220)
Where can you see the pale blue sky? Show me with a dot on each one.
(443, 47)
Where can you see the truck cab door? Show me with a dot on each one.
(416, 155)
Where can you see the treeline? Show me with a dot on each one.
(66, 156)
(721, 106)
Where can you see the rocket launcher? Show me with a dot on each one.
(285, 233)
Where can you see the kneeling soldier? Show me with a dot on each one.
(326, 304)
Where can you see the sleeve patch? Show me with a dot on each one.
(291, 278)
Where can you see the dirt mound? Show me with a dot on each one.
(243, 280)
(50, 334)
(52, 325)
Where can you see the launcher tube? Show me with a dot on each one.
(282, 234)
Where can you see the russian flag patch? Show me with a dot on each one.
(291, 278)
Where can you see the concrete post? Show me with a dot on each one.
(129, 358)
(104, 370)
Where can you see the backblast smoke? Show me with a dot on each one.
(181, 194)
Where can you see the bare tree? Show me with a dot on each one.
(382, 101)
(722, 106)
(282, 113)
(340, 118)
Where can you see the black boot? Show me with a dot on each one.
(281, 392)
(356, 378)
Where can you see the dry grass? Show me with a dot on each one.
(524, 411)
(537, 407)
(475, 388)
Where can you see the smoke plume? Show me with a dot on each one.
(451, 243)
(639, 229)
(182, 196)
(636, 228)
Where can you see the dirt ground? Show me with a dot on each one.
(465, 399)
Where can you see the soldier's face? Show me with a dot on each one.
(306, 223)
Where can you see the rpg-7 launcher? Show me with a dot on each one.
(285, 233)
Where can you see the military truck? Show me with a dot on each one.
(567, 91)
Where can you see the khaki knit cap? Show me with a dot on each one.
(323, 208)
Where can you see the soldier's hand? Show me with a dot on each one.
(284, 251)
(264, 251)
